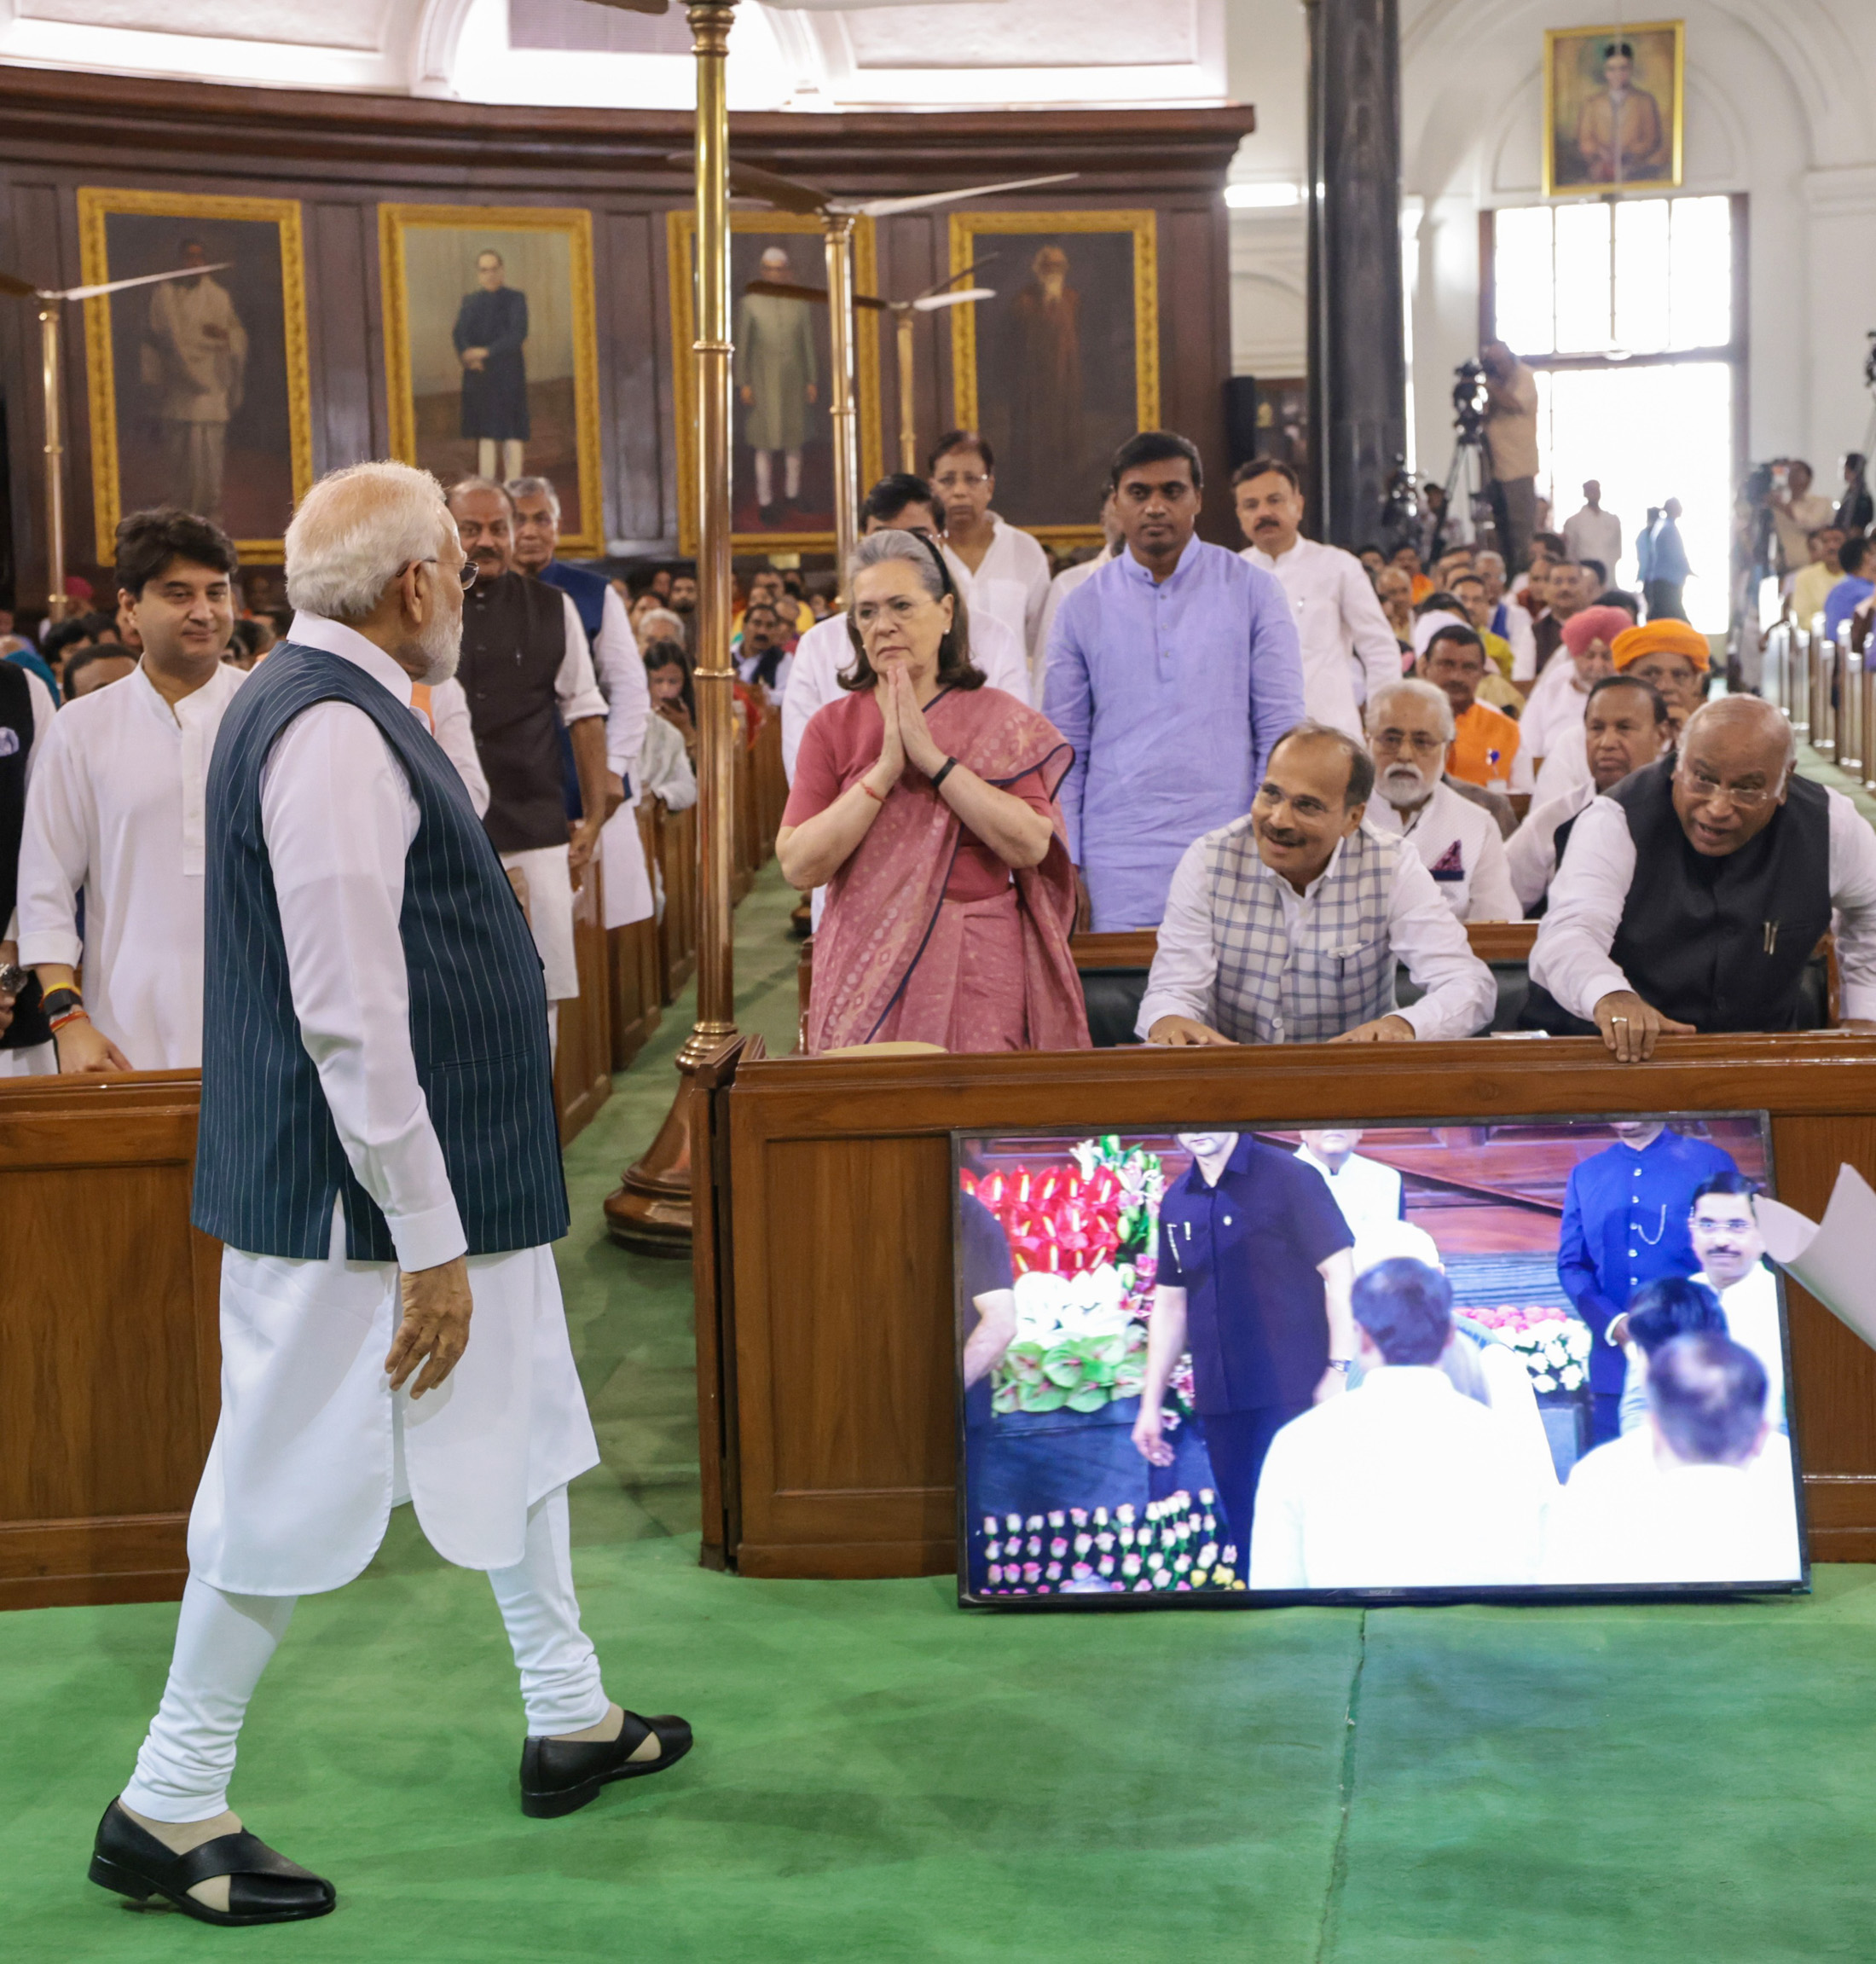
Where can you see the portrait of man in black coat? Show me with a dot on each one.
(491, 333)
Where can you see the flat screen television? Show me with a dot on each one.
(1535, 1358)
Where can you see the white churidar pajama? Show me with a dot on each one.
(621, 673)
(313, 1448)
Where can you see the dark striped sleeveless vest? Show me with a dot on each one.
(268, 1159)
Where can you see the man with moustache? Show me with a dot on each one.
(526, 669)
(1410, 725)
(1286, 926)
(1349, 651)
(1724, 1234)
(1625, 725)
(378, 1155)
(1692, 894)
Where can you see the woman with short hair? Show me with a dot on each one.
(925, 803)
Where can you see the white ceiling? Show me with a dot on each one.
(813, 55)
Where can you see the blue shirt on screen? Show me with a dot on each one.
(1625, 1223)
(1246, 1254)
(1173, 696)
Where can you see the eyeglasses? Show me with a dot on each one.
(1423, 743)
(960, 480)
(1710, 790)
(465, 572)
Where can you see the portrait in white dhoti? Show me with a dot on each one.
(195, 361)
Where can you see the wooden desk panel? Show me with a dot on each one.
(109, 1358)
(830, 1291)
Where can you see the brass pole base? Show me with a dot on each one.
(650, 1212)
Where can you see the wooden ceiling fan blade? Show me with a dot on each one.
(952, 280)
(142, 279)
(10, 284)
(786, 290)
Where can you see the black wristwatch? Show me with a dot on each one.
(59, 1000)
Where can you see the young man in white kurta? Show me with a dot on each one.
(1009, 577)
(116, 812)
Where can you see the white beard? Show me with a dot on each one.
(1403, 787)
(440, 644)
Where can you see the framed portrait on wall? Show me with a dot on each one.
(198, 387)
(1612, 108)
(781, 435)
(1063, 365)
(490, 358)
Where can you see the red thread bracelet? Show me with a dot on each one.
(870, 792)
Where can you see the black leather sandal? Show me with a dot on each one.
(263, 1886)
(560, 1775)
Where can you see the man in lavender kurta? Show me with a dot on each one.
(1172, 672)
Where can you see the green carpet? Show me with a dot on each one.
(883, 1778)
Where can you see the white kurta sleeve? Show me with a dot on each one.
(1493, 897)
(1460, 994)
(1185, 972)
(55, 852)
(1853, 900)
(622, 683)
(455, 735)
(1367, 627)
(574, 687)
(1572, 956)
(1530, 852)
(820, 656)
(338, 817)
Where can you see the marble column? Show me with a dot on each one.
(1358, 364)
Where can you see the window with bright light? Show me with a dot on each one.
(1600, 296)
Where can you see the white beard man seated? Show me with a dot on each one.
(1285, 926)
(1410, 725)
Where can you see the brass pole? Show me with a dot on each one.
(710, 22)
(54, 463)
(840, 308)
(908, 427)
(651, 1211)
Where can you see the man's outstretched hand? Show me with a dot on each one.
(435, 1329)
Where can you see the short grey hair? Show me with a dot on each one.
(1414, 690)
(1753, 708)
(356, 530)
(671, 627)
(519, 487)
(464, 484)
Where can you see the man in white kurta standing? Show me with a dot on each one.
(378, 1155)
(1349, 651)
(197, 356)
(627, 886)
(1002, 571)
(117, 811)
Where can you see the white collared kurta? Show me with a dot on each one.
(313, 1448)
(115, 810)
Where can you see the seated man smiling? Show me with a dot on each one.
(1285, 926)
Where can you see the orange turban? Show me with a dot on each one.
(1660, 638)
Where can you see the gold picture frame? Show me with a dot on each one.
(1579, 130)
(252, 464)
(1089, 334)
(806, 524)
(550, 248)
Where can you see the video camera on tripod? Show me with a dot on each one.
(1468, 404)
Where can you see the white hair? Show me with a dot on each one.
(519, 487)
(356, 531)
(1414, 690)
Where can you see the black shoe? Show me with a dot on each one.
(262, 1886)
(560, 1775)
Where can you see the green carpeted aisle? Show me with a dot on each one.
(883, 1779)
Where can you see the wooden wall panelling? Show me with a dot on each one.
(109, 1359)
(635, 384)
(839, 1310)
(344, 340)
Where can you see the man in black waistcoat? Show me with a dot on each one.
(526, 669)
(1692, 894)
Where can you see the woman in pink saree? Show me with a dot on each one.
(924, 802)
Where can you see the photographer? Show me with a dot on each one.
(1511, 448)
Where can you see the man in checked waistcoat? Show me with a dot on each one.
(1285, 926)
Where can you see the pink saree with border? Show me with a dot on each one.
(895, 961)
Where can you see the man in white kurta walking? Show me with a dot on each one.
(116, 811)
(378, 1155)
